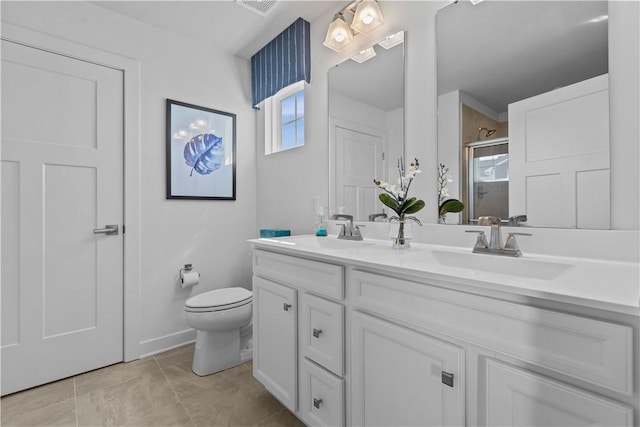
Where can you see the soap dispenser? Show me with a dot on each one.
(321, 226)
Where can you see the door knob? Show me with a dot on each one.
(317, 402)
(286, 306)
(317, 332)
(109, 230)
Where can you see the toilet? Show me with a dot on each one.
(222, 319)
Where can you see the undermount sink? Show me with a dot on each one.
(534, 269)
(328, 242)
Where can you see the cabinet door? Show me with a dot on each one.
(397, 376)
(275, 340)
(521, 398)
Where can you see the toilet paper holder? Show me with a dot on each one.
(187, 268)
(189, 276)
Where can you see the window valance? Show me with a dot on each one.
(283, 61)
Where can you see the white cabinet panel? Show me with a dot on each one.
(275, 339)
(322, 332)
(592, 350)
(318, 277)
(321, 396)
(397, 376)
(516, 397)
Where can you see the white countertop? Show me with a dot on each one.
(606, 285)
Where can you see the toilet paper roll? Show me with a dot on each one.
(189, 278)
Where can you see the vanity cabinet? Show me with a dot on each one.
(363, 346)
(299, 335)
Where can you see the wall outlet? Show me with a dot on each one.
(315, 203)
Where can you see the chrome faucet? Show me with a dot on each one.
(495, 238)
(373, 217)
(517, 220)
(348, 231)
(494, 245)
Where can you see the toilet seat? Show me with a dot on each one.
(219, 300)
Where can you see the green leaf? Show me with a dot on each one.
(451, 205)
(412, 206)
(389, 201)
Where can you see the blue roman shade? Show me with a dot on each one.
(284, 61)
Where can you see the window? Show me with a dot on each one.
(491, 168)
(284, 119)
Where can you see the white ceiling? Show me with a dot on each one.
(496, 51)
(222, 23)
(499, 52)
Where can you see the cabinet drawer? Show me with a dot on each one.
(322, 332)
(591, 350)
(318, 277)
(321, 396)
(519, 397)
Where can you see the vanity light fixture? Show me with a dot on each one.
(364, 55)
(360, 16)
(339, 34)
(392, 40)
(367, 16)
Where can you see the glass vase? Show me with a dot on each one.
(400, 233)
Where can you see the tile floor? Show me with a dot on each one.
(155, 391)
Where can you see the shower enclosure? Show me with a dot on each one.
(487, 170)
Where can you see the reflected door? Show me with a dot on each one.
(560, 156)
(359, 160)
(62, 285)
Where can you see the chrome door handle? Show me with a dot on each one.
(286, 306)
(317, 402)
(317, 332)
(109, 230)
(447, 378)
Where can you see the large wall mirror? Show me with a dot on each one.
(366, 127)
(523, 111)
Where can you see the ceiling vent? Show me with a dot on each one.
(261, 7)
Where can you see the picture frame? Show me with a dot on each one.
(200, 152)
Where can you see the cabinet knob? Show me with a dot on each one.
(317, 332)
(447, 378)
(317, 402)
(286, 306)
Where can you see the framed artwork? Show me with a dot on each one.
(201, 151)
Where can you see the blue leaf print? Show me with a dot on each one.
(204, 153)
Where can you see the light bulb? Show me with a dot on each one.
(339, 37)
(367, 19)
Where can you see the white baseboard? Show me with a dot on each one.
(167, 342)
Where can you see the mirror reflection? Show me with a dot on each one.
(366, 127)
(523, 111)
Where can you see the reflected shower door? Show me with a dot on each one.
(488, 172)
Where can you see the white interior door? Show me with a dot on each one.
(62, 177)
(559, 156)
(359, 159)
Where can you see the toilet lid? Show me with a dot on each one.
(220, 298)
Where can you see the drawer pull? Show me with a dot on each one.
(447, 378)
(317, 332)
(317, 402)
(286, 306)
